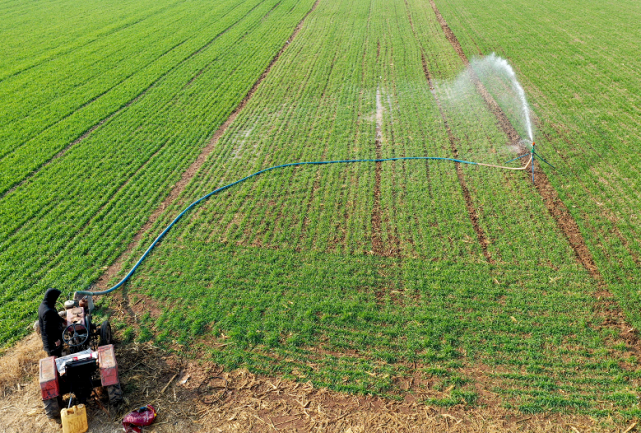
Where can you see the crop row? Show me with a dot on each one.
(164, 102)
(507, 213)
(341, 321)
(78, 213)
(322, 114)
(45, 94)
(44, 115)
(582, 76)
(47, 38)
(281, 273)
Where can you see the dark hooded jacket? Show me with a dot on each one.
(51, 324)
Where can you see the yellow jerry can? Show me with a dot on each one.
(74, 419)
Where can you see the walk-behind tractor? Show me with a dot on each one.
(88, 361)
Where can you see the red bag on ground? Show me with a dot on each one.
(134, 421)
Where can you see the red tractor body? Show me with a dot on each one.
(90, 362)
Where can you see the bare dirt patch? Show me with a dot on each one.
(141, 305)
(193, 396)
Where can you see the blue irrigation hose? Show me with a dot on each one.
(216, 191)
(518, 157)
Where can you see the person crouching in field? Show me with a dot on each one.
(51, 324)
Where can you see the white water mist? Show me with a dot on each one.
(499, 79)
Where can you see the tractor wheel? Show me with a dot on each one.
(52, 407)
(115, 394)
(105, 333)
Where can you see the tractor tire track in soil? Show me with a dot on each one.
(469, 203)
(449, 34)
(113, 270)
(608, 308)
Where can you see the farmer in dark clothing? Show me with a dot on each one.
(51, 324)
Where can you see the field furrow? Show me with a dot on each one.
(411, 292)
(19, 158)
(130, 163)
(458, 285)
(584, 93)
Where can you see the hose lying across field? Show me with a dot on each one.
(294, 164)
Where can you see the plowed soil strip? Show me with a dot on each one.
(449, 34)
(554, 204)
(178, 188)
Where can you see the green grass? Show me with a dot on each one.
(581, 75)
(72, 217)
(332, 319)
(356, 277)
(278, 275)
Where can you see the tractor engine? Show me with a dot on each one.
(89, 361)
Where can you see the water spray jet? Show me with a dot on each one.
(490, 69)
